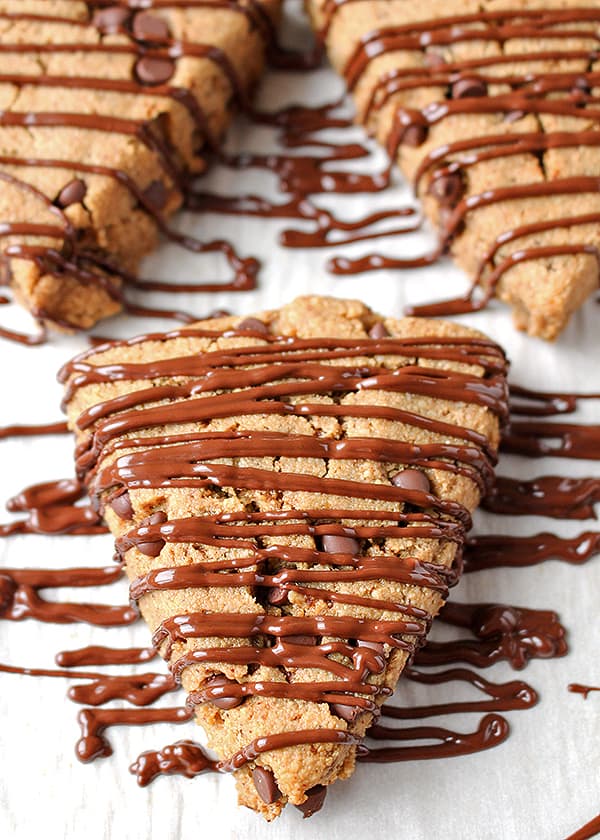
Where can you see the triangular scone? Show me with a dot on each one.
(105, 110)
(350, 449)
(508, 169)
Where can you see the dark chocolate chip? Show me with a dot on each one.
(412, 480)
(415, 135)
(345, 712)
(378, 330)
(277, 596)
(7, 590)
(73, 193)
(122, 506)
(448, 189)
(225, 703)
(156, 194)
(154, 71)
(253, 324)
(340, 545)
(148, 27)
(265, 784)
(151, 549)
(315, 797)
(467, 88)
(111, 19)
(154, 547)
(300, 640)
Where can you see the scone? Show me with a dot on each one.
(289, 494)
(105, 110)
(491, 110)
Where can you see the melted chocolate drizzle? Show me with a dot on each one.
(266, 376)
(590, 829)
(584, 690)
(52, 508)
(498, 632)
(70, 256)
(532, 92)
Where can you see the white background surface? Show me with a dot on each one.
(544, 782)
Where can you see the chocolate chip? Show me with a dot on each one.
(111, 19)
(345, 712)
(253, 324)
(315, 797)
(265, 784)
(448, 189)
(340, 545)
(154, 547)
(467, 88)
(412, 480)
(154, 71)
(300, 640)
(156, 194)
(277, 596)
(148, 27)
(73, 193)
(415, 135)
(156, 518)
(7, 590)
(122, 506)
(378, 330)
(224, 703)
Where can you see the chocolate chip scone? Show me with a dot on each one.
(289, 494)
(491, 110)
(106, 108)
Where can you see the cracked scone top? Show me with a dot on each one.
(104, 109)
(289, 494)
(491, 110)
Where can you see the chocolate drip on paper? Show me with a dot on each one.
(584, 690)
(590, 829)
(33, 430)
(52, 508)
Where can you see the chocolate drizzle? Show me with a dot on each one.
(469, 90)
(266, 377)
(52, 508)
(584, 690)
(590, 829)
(153, 56)
(27, 430)
(496, 632)
(499, 632)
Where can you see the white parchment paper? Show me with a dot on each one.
(544, 782)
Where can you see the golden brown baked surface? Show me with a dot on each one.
(104, 109)
(491, 109)
(289, 494)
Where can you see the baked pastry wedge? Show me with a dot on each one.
(105, 110)
(491, 110)
(289, 494)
